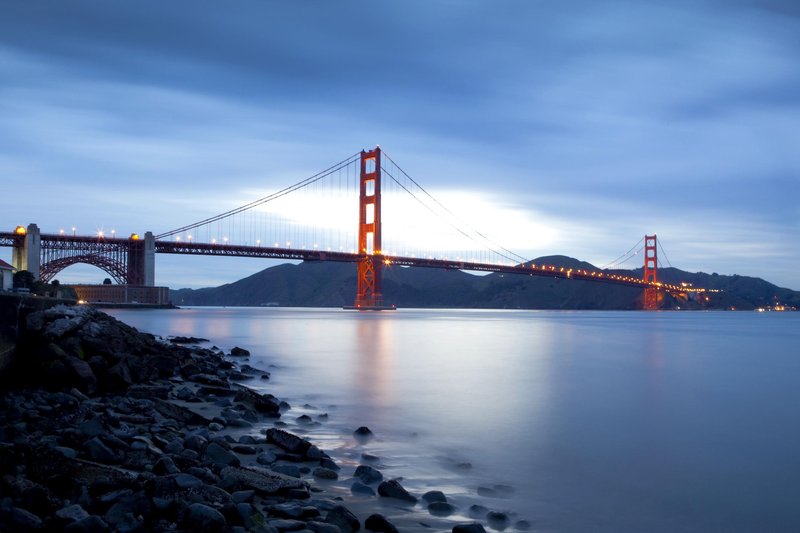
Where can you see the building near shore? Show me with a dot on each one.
(122, 294)
(6, 276)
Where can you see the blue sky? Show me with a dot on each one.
(587, 124)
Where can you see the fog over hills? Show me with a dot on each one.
(331, 284)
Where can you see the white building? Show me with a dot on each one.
(6, 276)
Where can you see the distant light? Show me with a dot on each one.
(134, 236)
(20, 230)
(61, 232)
(100, 233)
(178, 238)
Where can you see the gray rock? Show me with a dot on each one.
(283, 524)
(322, 527)
(522, 525)
(393, 489)
(243, 496)
(368, 474)
(287, 470)
(239, 352)
(90, 524)
(289, 442)
(245, 449)
(342, 517)
(469, 528)
(363, 434)
(99, 452)
(359, 488)
(498, 519)
(263, 403)
(165, 465)
(21, 520)
(71, 513)
(325, 473)
(434, 496)
(378, 522)
(216, 454)
(477, 511)
(204, 518)
(441, 508)
(186, 481)
(266, 458)
(87, 381)
(261, 480)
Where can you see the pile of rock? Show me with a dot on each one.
(104, 428)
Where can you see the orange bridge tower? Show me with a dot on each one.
(368, 295)
(650, 272)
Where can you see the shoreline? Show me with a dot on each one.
(177, 432)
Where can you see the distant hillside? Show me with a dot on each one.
(330, 284)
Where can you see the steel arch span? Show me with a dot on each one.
(116, 269)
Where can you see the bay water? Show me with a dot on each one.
(568, 421)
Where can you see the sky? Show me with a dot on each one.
(576, 127)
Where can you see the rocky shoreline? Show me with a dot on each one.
(105, 428)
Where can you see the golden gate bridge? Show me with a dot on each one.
(365, 210)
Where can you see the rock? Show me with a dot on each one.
(21, 520)
(324, 473)
(283, 524)
(266, 458)
(165, 465)
(434, 496)
(497, 519)
(179, 413)
(243, 496)
(477, 511)
(99, 452)
(261, 480)
(71, 513)
(378, 522)
(287, 470)
(86, 380)
(441, 508)
(204, 518)
(90, 524)
(322, 527)
(368, 474)
(393, 489)
(178, 339)
(474, 527)
(342, 517)
(142, 390)
(522, 525)
(239, 352)
(262, 403)
(216, 454)
(289, 442)
(186, 481)
(213, 381)
(304, 420)
(363, 434)
(359, 488)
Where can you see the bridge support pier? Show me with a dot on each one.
(142, 261)
(28, 257)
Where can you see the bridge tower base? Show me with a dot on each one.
(368, 292)
(650, 300)
(28, 257)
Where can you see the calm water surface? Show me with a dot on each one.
(597, 421)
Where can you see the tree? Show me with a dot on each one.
(107, 281)
(23, 280)
(55, 283)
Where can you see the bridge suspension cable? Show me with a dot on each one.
(299, 185)
(470, 233)
(627, 256)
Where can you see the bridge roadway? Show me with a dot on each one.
(99, 244)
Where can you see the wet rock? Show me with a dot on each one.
(178, 339)
(204, 518)
(71, 513)
(216, 454)
(287, 470)
(324, 473)
(522, 525)
(359, 488)
(165, 465)
(21, 520)
(322, 527)
(263, 403)
(266, 458)
(342, 517)
(477, 511)
(86, 380)
(186, 481)
(99, 452)
(239, 352)
(243, 496)
(393, 489)
(245, 449)
(141, 390)
(474, 527)
(368, 475)
(434, 496)
(261, 480)
(90, 524)
(289, 442)
(304, 420)
(439, 508)
(497, 520)
(179, 413)
(378, 522)
(363, 434)
(285, 524)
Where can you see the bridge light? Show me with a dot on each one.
(113, 233)
(134, 236)
(100, 234)
(178, 238)
(213, 241)
(20, 230)
(189, 237)
(73, 230)
(258, 242)
(61, 232)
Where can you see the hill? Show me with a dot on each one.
(330, 284)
